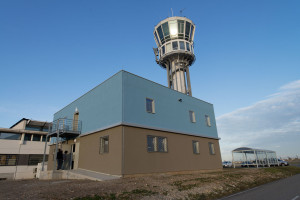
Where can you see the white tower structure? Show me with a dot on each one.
(174, 37)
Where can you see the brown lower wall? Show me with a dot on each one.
(180, 156)
(91, 159)
(136, 159)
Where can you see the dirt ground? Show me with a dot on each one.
(209, 185)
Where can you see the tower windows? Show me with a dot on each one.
(188, 46)
(181, 44)
(175, 45)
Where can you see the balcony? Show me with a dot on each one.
(65, 128)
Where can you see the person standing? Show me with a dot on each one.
(66, 161)
(59, 158)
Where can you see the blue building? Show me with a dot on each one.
(130, 125)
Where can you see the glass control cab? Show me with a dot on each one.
(174, 34)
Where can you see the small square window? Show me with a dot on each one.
(207, 120)
(211, 148)
(104, 141)
(192, 116)
(150, 107)
(196, 147)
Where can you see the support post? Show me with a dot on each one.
(233, 160)
(267, 159)
(168, 74)
(188, 80)
(44, 156)
(256, 160)
(56, 145)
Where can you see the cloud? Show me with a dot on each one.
(273, 123)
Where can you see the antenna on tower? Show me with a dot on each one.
(172, 11)
(181, 11)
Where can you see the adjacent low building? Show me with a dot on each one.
(130, 125)
(22, 148)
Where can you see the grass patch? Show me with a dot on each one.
(287, 170)
(134, 194)
(183, 185)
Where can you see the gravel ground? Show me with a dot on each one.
(161, 186)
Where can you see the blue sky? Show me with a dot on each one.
(52, 52)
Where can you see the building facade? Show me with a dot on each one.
(131, 125)
(22, 148)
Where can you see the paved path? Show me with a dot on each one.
(94, 175)
(285, 189)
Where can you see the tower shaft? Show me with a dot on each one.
(178, 76)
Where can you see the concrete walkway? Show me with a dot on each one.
(76, 174)
(93, 175)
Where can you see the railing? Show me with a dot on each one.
(66, 125)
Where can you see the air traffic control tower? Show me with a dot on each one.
(174, 37)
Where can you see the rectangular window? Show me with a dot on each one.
(163, 50)
(35, 159)
(10, 136)
(175, 45)
(157, 144)
(196, 147)
(181, 44)
(44, 138)
(187, 29)
(192, 31)
(8, 160)
(173, 28)
(165, 28)
(104, 144)
(34, 128)
(211, 148)
(188, 46)
(150, 107)
(36, 138)
(180, 26)
(192, 116)
(207, 120)
(156, 37)
(168, 48)
(27, 137)
(161, 36)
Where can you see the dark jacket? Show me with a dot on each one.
(59, 155)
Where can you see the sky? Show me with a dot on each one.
(247, 60)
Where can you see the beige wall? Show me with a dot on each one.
(91, 159)
(180, 156)
(20, 125)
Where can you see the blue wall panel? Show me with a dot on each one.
(122, 98)
(98, 108)
(170, 113)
